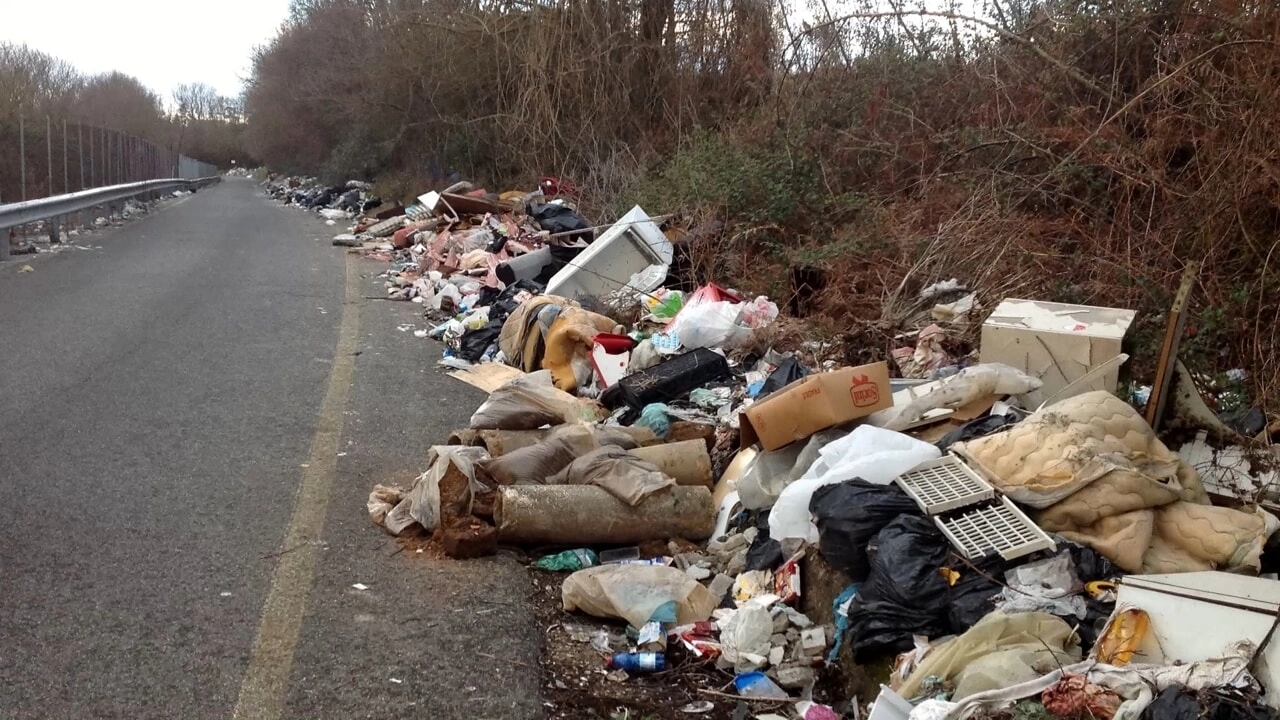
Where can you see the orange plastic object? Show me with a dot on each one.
(1122, 637)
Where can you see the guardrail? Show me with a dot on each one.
(53, 208)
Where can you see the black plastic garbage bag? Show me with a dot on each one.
(473, 343)
(1224, 703)
(974, 595)
(904, 594)
(918, 585)
(787, 372)
(765, 553)
(849, 515)
(1090, 564)
(555, 218)
(980, 427)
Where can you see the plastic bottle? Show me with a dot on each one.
(638, 662)
(569, 560)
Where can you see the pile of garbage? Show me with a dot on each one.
(333, 202)
(1010, 536)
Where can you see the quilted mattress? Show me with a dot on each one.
(1092, 471)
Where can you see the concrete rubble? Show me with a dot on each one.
(993, 525)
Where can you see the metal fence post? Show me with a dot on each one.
(22, 152)
(48, 146)
(66, 183)
(80, 149)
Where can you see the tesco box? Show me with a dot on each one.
(815, 403)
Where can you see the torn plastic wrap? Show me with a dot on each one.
(539, 463)
(449, 486)
(625, 476)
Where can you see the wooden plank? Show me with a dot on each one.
(1169, 350)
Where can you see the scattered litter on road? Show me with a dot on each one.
(360, 586)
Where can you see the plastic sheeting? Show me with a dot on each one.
(876, 455)
(528, 403)
(1000, 650)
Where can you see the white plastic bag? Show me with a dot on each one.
(714, 324)
(745, 638)
(871, 453)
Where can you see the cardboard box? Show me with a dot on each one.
(1056, 343)
(816, 403)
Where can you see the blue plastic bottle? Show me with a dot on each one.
(639, 662)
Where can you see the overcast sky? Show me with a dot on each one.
(160, 42)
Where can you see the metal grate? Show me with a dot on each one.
(945, 484)
(999, 527)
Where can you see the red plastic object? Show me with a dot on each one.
(614, 344)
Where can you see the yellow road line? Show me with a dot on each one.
(266, 681)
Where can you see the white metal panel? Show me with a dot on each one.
(632, 245)
(1194, 616)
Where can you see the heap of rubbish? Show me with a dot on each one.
(1010, 537)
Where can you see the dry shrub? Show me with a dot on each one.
(1063, 150)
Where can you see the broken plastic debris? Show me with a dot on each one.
(697, 708)
(360, 586)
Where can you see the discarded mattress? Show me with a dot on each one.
(1099, 476)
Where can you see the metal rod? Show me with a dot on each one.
(80, 148)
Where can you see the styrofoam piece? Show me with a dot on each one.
(1000, 527)
(429, 200)
(944, 484)
(889, 705)
(629, 248)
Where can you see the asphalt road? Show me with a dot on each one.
(191, 418)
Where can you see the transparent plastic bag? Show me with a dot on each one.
(770, 472)
(531, 401)
(457, 462)
(636, 592)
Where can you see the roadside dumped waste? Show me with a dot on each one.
(993, 523)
